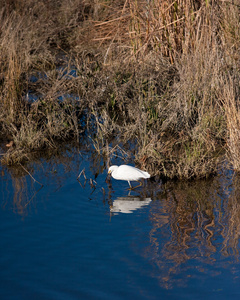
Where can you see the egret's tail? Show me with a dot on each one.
(146, 174)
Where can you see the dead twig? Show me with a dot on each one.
(30, 175)
(92, 182)
(82, 172)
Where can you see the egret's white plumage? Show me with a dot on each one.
(128, 173)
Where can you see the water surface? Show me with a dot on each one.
(89, 239)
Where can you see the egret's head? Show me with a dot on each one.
(111, 169)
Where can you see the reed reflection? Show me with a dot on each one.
(24, 182)
(19, 192)
(194, 221)
(231, 221)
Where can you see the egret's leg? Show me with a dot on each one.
(134, 187)
(129, 184)
(140, 184)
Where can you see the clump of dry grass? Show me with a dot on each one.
(46, 123)
(230, 100)
(31, 37)
(179, 127)
(149, 72)
(166, 27)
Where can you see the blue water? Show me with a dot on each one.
(90, 240)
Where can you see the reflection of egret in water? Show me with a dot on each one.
(128, 204)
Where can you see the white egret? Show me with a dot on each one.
(128, 173)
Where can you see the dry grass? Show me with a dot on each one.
(180, 127)
(149, 72)
(230, 100)
(31, 39)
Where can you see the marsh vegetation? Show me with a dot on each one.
(160, 75)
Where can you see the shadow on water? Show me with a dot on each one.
(192, 227)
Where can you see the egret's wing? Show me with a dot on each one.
(131, 173)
